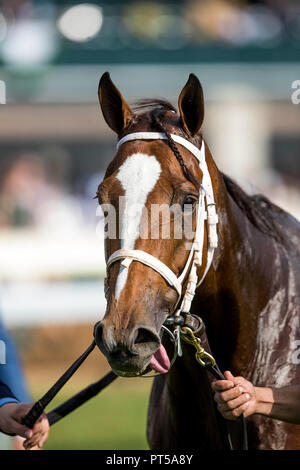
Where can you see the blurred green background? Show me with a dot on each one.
(116, 419)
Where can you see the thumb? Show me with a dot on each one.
(228, 375)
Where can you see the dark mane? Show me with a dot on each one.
(151, 104)
(259, 210)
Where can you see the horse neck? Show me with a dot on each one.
(228, 299)
(228, 302)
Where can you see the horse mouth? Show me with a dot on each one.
(159, 362)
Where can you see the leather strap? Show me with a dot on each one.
(149, 260)
(38, 408)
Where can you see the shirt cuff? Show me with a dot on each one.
(3, 401)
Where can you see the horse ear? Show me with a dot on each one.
(191, 105)
(116, 111)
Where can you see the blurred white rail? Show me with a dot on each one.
(41, 255)
(36, 303)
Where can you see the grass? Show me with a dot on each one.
(116, 419)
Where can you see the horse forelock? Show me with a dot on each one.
(146, 110)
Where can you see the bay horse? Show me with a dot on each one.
(249, 294)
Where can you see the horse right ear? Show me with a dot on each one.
(191, 105)
(116, 111)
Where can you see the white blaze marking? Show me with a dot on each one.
(138, 175)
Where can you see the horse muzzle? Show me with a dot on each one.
(130, 352)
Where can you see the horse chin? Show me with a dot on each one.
(132, 367)
(139, 373)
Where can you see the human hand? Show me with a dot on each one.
(235, 396)
(11, 415)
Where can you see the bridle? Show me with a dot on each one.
(205, 212)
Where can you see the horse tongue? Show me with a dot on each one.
(160, 360)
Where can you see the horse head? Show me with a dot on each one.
(152, 187)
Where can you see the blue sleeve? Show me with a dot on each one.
(11, 372)
(3, 401)
(6, 395)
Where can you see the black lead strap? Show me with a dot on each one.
(80, 398)
(71, 404)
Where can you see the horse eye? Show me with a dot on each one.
(189, 200)
(189, 203)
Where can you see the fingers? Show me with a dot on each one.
(17, 418)
(35, 441)
(231, 394)
(236, 380)
(42, 424)
(221, 385)
(233, 404)
(19, 429)
(40, 434)
(228, 376)
(231, 382)
(233, 414)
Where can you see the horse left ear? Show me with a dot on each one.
(116, 111)
(191, 105)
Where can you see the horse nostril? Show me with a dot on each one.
(146, 336)
(125, 343)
